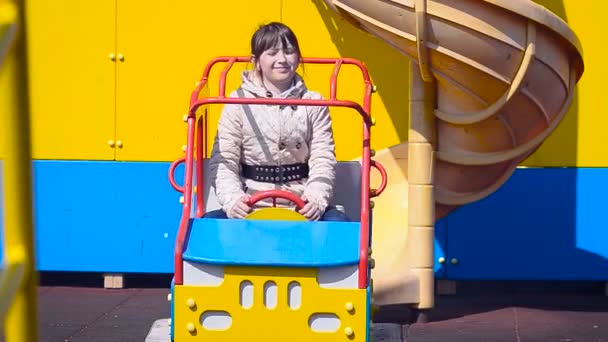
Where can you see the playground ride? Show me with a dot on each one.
(490, 81)
(273, 276)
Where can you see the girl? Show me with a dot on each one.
(264, 147)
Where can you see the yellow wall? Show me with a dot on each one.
(577, 141)
(321, 35)
(581, 139)
(166, 49)
(81, 98)
(71, 78)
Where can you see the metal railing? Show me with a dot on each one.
(18, 277)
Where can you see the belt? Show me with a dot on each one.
(275, 174)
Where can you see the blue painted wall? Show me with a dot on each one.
(544, 223)
(105, 216)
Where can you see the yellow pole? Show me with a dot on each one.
(21, 321)
(421, 201)
(421, 142)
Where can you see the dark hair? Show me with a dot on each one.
(269, 36)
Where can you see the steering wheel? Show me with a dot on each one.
(274, 213)
(274, 194)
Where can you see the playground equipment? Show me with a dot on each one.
(273, 275)
(490, 81)
(17, 277)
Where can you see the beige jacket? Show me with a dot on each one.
(273, 135)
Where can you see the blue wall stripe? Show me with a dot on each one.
(591, 211)
(544, 223)
(105, 216)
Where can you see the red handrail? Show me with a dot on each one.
(333, 83)
(246, 59)
(285, 102)
(382, 170)
(223, 76)
(172, 168)
(201, 152)
(184, 225)
(196, 103)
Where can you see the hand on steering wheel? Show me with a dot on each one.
(311, 210)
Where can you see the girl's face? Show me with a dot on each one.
(278, 65)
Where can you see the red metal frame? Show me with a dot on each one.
(200, 129)
(384, 177)
(201, 152)
(172, 168)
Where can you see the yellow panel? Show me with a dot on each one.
(580, 140)
(166, 48)
(278, 214)
(320, 36)
(259, 323)
(71, 78)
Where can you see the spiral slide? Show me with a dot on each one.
(504, 74)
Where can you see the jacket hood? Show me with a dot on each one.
(252, 85)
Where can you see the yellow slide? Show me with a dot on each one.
(503, 74)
